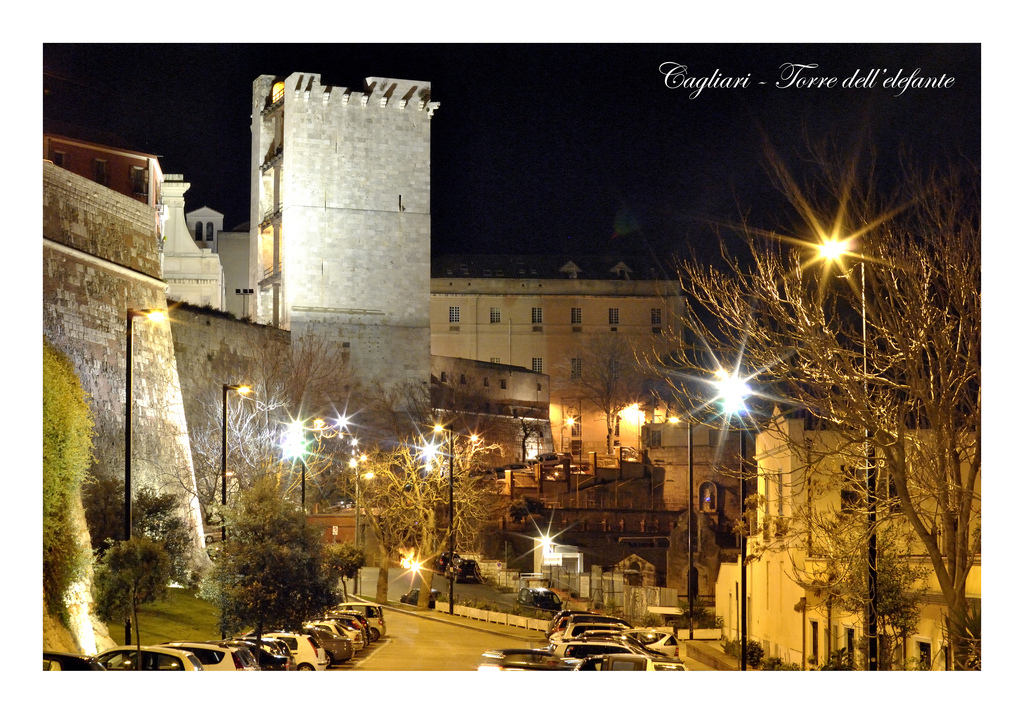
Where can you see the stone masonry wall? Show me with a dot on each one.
(355, 197)
(100, 258)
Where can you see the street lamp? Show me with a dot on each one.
(153, 315)
(241, 389)
(294, 446)
(733, 391)
(451, 521)
(832, 250)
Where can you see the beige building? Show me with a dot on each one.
(786, 613)
(541, 313)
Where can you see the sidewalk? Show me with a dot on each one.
(710, 655)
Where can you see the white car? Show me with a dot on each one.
(573, 651)
(309, 655)
(223, 658)
(580, 629)
(629, 663)
(346, 628)
(154, 659)
(664, 643)
(373, 613)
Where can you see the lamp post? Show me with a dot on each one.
(832, 250)
(155, 316)
(295, 446)
(241, 389)
(733, 391)
(451, 522)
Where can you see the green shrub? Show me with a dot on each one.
(67, 456)
(775, 664)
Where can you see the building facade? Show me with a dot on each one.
(191, 267)
(557, 316)
(807, 498)
(340, 218)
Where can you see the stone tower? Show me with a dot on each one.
(340, 218)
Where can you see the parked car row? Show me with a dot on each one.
(589, 641)
(326, 641)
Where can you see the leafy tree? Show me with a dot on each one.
(67, 456)
(889, 357)
(131, 573)
(345, 559)
(270, 572)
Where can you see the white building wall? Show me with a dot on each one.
(193, 273)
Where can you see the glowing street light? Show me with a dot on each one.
(832, 251)
(438, 429)
(240, 389)
(733, 392)
(153, 315)
(294, 446)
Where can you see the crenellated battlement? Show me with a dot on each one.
(377, 91)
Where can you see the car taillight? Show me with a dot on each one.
(237, 660)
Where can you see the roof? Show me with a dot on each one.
(548, 267)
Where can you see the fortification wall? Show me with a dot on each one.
(100, 259)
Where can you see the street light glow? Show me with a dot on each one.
(733, 392)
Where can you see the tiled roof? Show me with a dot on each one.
(547, 267)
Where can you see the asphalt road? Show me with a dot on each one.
(415, 643)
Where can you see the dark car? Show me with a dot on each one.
(358, 619)
(339, 648)
(520, 659)
(67, 662)
(413, 597)
(469, 572)
(271, 658)
(539, 599)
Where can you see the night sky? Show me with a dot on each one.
(542, 148)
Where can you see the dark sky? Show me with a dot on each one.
(540, 148)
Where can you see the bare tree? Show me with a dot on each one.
(604, 374)
(406, 501)
(888, 355)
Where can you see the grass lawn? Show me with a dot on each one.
(182, 616)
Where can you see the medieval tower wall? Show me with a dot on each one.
(340, 216)
(100, 259)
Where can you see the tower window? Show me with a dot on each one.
(576, 315)
(495, 315)
(655, 315)
(613, 316)
(538, 364)
(453, 314)
(537, 315)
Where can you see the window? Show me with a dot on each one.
(199, 230)
(453, 314)
(576, 315)
(495, 315)
(924, 654)
(99, 172)
(655, 315)
(209, 232)
(576, 369)
(849, 642)
(57, 157)
(654, 438)
(487, 381)
(139, 180)
(576, 426)
(504, 384)
(537, 315)
(462, 379)
(613, 316)
(538, 364)
(814, 642)
(444, 376)
(495, 360)
(708, 497)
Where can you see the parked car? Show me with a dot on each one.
(664, 643)
(540, 600)
(154, 659)
(269, 656)
(468, 572)
(307, 650)
(347, 627)
(351, 618)
(628, 663)
(572, 651)
(575, 630)
(363, 622)
(218, 657)
(338, 645)
(374, 614)
(67, 662)
(519, 659)
(559, 624)
(413, 597)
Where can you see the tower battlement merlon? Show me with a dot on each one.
(399, 93)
